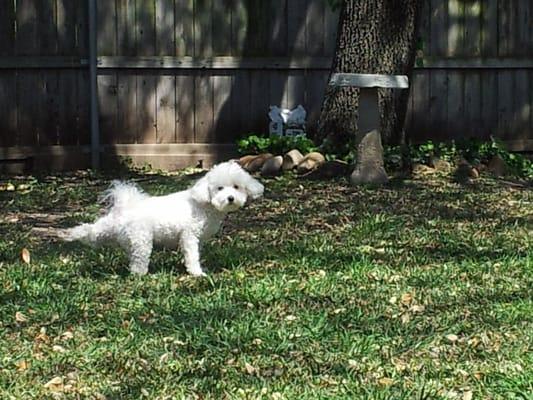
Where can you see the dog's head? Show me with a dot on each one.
(226, 187)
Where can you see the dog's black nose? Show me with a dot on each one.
(231, 199)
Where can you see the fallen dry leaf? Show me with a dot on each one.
(452, 338)
(406, 299)
(55, 384)
(58, 349)
(250, 368)
(20, 317)
(417, 309)
(468, 395)
(22, 365)
(25, 255)
(385, 381)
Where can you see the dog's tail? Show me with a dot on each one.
(121, 195)
(85, 232)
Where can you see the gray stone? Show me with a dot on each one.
(369, 168)
(291, 160)
(310, 162)
(272, 166)
(497, 166)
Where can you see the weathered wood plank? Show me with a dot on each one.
(66, 27)
(277, 42)
(203, 28)
(331, 22)
(489, 103)
(455, 28)
(166, 109)
(239, 27)
(108, 107)
(295, 89)
(524, 37)
(185, 107)
(145, 28)
(277, 89)
(46, 27)
(126, 32)
(260, 101)
(203, 108)
(472, 28)
(472, 108)
(146, 109)
(456, 105)
(222, 28)
(439, 28)
(521, 128)
(314, 26)
(26, 42)
(68, 108)
(127, 109)
(7, 28)
(165, 28)
(315, 82)
(83, 120)
(505, 12)
(505, 104)
(107, 20)
(29, 93)
(184, 27)
(489, 31)
(369, 80)
(82, 28)
(420, 88)
(438, 105)
(241, 104)
(49, 111)
(8, 108)
(296, 31)
(222, 115)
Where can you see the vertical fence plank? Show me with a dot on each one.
(221, 28)
(421, 104)
(505, 103)
(489, 102)
(278, 23)
(108, 107)
(165, 28)
(203, 110)
(260, 100)
(295, 89)
(7, 28)
(438, 105)
(456, 116)
(239, 26)
(46, 27)
(83, 109)
(455, 28)
(472, 108)
(315, 86)
(241, 104)
(185, 107)
(203, 28)
(49, 108)
(107, 20)
(184, 30)
(331, 22)
(222, 115)
(68, 104)
(8, 108)
(166, 109)
(127, 108)
(439, 28)
(524, 37)
(489, 30)
(257, 28)
(26, 42)
(126, 32)
(505, 12)
(66, 27)
(29, 94)
(522, 106)
(314, 25)
(472, 28)
(296, 31)
(145, 27)
(277, 88)
(146, 108)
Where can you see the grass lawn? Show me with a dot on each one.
(422, 290)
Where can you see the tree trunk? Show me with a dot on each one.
(376, 37)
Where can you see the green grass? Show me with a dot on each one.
(422, 290)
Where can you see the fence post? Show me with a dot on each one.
(95, 130)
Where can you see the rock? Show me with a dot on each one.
(422, 169)
(257, 162)
(497, 166)
(291, 160)
(310, 162)
(465, 173)
(368, 174)
(272, 166)
(440, 165)
(369, 166)
(330, 169)
(245, 160)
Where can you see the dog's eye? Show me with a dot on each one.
(236, 187)
(220, 187)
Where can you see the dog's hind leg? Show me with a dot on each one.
(139, 246)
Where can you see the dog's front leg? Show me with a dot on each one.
(190, 245)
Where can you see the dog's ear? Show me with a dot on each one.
(200, 191)
(253, 187)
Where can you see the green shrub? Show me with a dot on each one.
(274, 144)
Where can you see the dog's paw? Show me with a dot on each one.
(197, 274)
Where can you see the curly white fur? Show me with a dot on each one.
(136, 220)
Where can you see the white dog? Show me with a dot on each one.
(136, 220)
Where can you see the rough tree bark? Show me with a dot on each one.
(375, 37)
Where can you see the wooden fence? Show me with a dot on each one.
(180, 80)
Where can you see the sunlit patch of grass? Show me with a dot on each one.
(418, 290)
